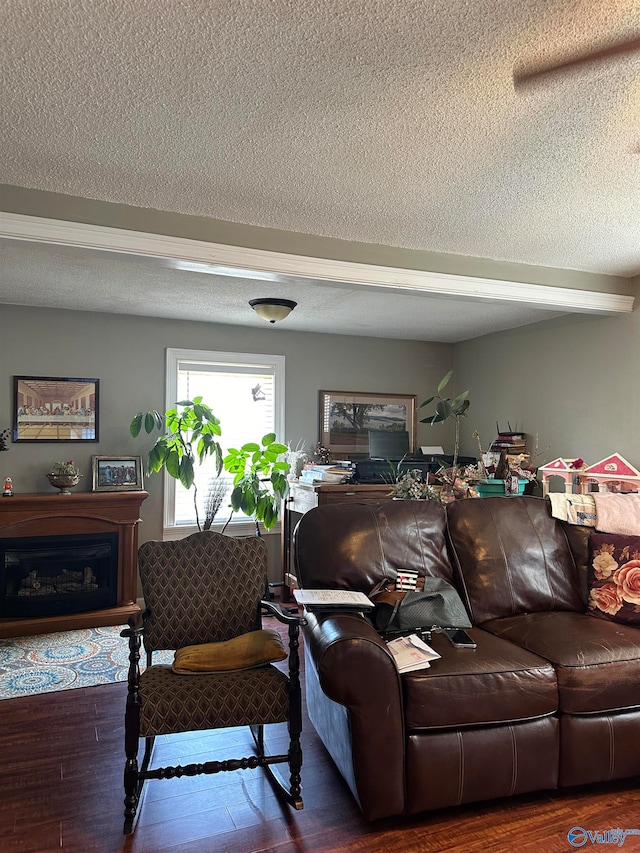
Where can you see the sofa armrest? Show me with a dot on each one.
(348, 664)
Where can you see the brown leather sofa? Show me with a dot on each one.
(549, 698)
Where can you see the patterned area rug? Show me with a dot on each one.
(46, 663)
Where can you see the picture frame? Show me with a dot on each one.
(116, 473)
(55, 409)
(347, 416)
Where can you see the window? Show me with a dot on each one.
(246, 392)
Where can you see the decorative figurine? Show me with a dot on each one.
(322, 453)
(7, 492)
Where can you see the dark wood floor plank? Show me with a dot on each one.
(63, 759)
(46, 838)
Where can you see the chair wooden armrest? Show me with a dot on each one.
(136, 624)
(281, 614)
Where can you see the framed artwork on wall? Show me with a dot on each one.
(55, 408)
(116, 473)
(347, 417)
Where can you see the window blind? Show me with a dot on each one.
(245, 396)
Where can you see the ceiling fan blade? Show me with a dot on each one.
(527, 74)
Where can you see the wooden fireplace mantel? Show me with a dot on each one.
(82, 512)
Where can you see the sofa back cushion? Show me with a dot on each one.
(354, 546)
(511, 557)
(578, 539)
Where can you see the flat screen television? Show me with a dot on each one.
(388, 444)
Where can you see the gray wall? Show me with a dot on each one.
(127, 354)
(575, 381)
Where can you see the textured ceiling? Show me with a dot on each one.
(63, 277)
(393, 123)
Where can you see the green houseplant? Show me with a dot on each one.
(448, 408)
(253, 465)
(191, 432)
(476, 480)
(454, 482)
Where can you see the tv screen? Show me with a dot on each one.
(388, 444)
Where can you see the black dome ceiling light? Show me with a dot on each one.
(272, 310)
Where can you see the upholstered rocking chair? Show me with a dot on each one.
(203, 597)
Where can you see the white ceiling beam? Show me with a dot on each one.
(219, 259)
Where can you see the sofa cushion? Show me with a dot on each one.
(496, 682)
(451, 767)
(354, 546)
(614, 577)
(597, 662)
(510, 557)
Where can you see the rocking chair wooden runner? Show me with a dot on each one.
(207, 589)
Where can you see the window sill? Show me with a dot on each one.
(234, 528)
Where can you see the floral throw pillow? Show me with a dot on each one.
(614, 577)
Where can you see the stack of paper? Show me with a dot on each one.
(332, 599)
(411, 653)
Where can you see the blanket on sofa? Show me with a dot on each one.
(576, 509)
(617, 513)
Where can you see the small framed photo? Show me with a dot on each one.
(55, 408)
(117, 473)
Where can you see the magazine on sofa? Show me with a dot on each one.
(411, 653)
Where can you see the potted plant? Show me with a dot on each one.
(253, 465)
(191, 433)
(411, 486)
(64, 476)
(446, 408)
(454, 482)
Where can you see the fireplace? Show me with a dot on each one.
(68, 561)
(53, 575)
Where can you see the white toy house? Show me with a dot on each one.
(613, 474)
(563, 468)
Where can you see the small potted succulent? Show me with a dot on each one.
(64, 476)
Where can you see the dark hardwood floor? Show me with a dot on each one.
(61, 787)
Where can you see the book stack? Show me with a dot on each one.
(336, 473)
(514, 443)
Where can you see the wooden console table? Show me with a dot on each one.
(82, 512)
(303, 497)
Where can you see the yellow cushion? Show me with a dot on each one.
(244, 652)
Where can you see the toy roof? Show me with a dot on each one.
(613, 466)
(559, 465)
